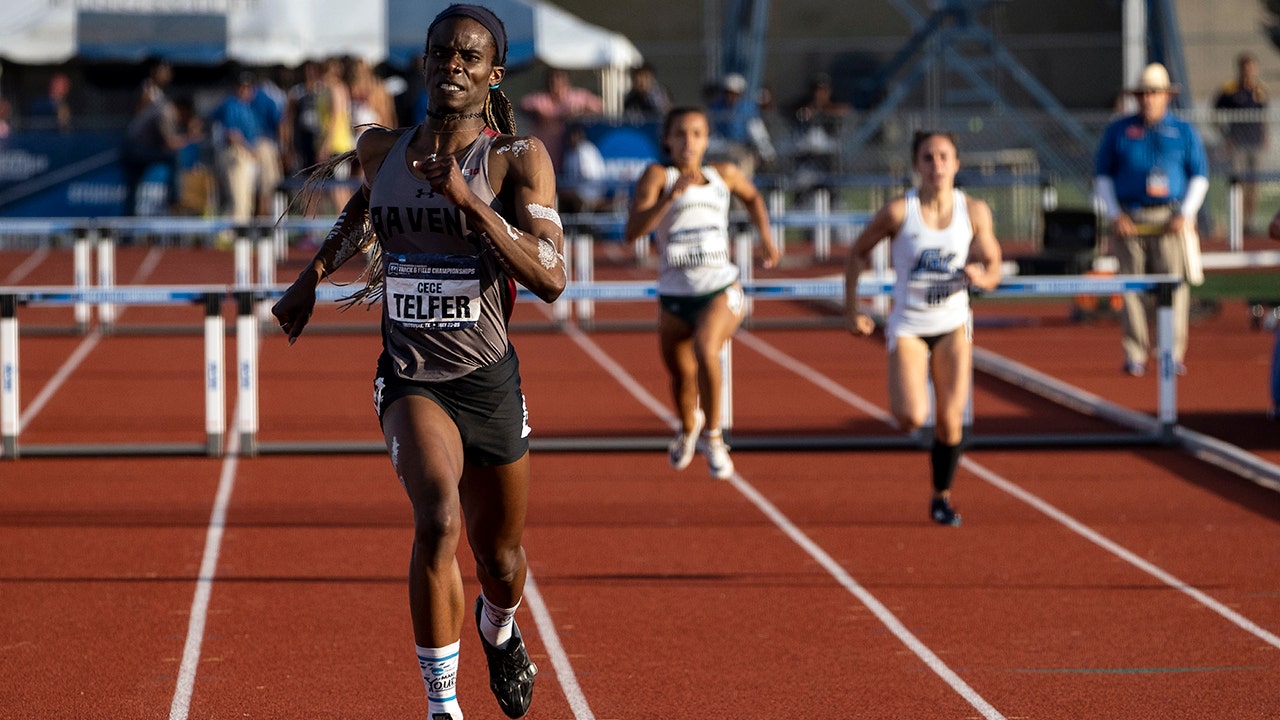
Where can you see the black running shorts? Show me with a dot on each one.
(486, 405)
(689, 307)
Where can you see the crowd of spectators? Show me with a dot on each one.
(203, 150)
(265, 127)
(225, 153)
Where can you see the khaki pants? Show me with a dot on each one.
(1161, 254)
(240, 178)
(250, 177)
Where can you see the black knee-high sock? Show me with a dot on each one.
(944, 458)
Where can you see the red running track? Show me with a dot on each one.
(1129, 582)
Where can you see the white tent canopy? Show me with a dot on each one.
(39, 32)
(536, 30)
(264, 32)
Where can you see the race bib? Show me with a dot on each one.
(934, 291)
(433, 292)
(697, 247)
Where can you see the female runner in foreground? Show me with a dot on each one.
(462, 210)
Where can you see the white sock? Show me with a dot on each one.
(497, 623)
(440, 675)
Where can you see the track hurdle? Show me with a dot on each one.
(247, 368)
(1160, 430)
(209, 297)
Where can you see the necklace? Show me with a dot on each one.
(454, 116)
(433, 155)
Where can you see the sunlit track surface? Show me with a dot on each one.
(812, 585)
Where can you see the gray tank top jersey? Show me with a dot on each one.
(447, 298)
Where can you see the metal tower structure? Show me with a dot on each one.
(951, 42)
(1164, 44)
(745, 23)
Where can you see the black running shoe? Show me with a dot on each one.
(943, 514)
(441, 716)
(510, 670)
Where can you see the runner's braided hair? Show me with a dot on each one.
(353, 228)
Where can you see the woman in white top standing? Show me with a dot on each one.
(686, 206)
(942, 244)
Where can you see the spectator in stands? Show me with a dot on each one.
(237, 131)
(337, 137)
(943, 243)
(371, 104)
(1245, 139)
(268, 105)
(558, 103)
(582, 174)
(197, 186)
(646, 99)
(52, 111)
(334, 106)
(300, 132)
(152, 137)
(738, 134)
(1151, 178)
(819, 121)
(685, 203)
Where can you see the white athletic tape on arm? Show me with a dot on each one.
(547, 255)
(542, 212)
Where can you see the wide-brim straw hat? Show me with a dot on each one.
(1154, 79)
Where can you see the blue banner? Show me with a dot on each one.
(51, 174)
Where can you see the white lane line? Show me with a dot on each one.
(181, 704)
(1119, 551)
(82, 350)
(60, 377)
(887, 618)
(149, 264)
(817, 378)
(26, 266)
(559, 658)
(1072, 524)
(624, 378)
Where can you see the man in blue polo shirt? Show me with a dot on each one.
(1151, 178)
(237, 130)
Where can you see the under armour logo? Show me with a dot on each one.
(430, 193)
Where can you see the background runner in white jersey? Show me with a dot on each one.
(942, 244)
(686, 206)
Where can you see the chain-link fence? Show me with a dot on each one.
(1017, 161)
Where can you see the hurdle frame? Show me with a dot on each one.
(213, 372)
(1159, 430)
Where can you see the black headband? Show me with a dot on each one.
(485, 17)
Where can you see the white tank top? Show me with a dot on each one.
(693, 239)
(930, 296)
